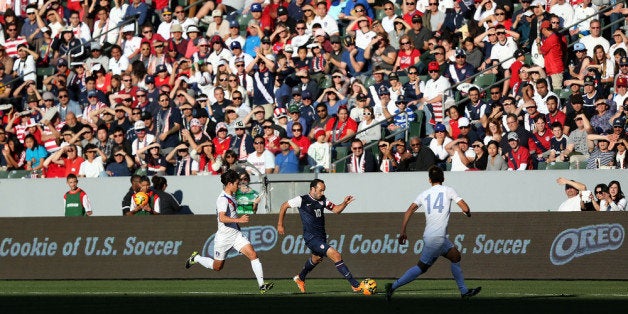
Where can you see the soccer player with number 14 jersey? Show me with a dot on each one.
(436, 202)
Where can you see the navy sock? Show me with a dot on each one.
(410, 275)
(345, 272)
(307, 268)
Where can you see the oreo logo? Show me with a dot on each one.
(263, 238)
(572, 243)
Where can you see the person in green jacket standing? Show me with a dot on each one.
(75, 201)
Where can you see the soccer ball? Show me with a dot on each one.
(369, 286)
(140, 199)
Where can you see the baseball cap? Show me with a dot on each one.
(216, 13)
(192, 29)
(401, 100)
(234, 23)
(579, 47)
(296, 91)
(519, 53)
(589, 80)
(147, 116)
(176, 28)
(546, 24)
(319, 132)
(463, 121)
(439, 127)
(91, 93)
(512, 136)
(166, 11)
(235, 45)
(31, 122)
(288, 48)
(294, 109)
(95, 46)
(161, 68)
(282, 11)
(240, 124)
(623, 61)
(433, 66)
(334, 39)
(306, 94)
(185, 105)
(48, 96)
(201, 114)
(383, 90)
(31, 10)
(256, 7)
(417, 18)
(621, 81)
(460, 53)
(279, 112)
(62, 62)
(139, 125)
(221, 126)
(393, 76)
(361, 96)
(348, 41)
(620, 122)
(537, 3)
(266, 40)
(319, 32)
(196, 122)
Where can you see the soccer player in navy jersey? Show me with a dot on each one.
(436, 202)
(311, 208)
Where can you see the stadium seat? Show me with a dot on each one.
(424, 78)
(403, 79)
(380, 14)
(484, 80)
(558, 166)
(541, 165)
(415, 127)
(341, 152)
(4, 174)
(19, 174)
(243, 20)
(44, 72)
(564, 94)
(368, 82)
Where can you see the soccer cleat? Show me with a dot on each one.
(389, 291)
(190, 260)
(300, 283)
(359, 288)
(265, 287)
(471, 293)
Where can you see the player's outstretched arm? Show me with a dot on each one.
(465, 207)
(282, 214)
(340, 207)
(222, 216)
(406, 218)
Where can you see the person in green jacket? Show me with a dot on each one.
(248, 199)
(75, 201)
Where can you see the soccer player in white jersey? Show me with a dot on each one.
(229, 235)
(436, 202)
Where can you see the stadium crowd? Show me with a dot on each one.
(109, 88)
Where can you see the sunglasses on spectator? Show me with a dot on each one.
(258, 143)
(357, 147)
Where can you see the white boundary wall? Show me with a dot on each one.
(374, 192)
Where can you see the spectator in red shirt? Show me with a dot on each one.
(553, 50)
(519, 156)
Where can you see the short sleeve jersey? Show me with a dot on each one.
(312, 215)
(436, 201)
(227, 204)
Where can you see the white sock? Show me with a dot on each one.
(259, 272)
(207, 262)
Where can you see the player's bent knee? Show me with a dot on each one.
(218, 265)
(453, 255)
(424, 267)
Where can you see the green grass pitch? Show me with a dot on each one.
(324, 296)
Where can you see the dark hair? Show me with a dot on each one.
(135, 177)
(492, 142)
(552, 97)
(89, 146)
(159, 183)
(315, 182)
(144, 179)
(620, 194)
(71, 176)
(102, 127)
(32, 137)
(230, 176)
(436, 174)
(556, 124)
(602, 187)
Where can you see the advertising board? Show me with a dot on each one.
(582, 245)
